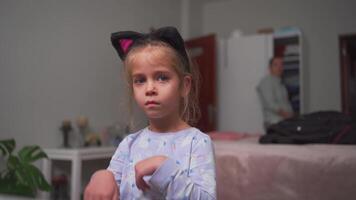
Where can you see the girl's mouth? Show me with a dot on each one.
(151, 103)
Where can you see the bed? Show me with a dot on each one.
(247, 170)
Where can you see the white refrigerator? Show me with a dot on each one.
(243, 61)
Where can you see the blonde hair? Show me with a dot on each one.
(189, 109)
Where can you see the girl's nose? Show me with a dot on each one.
(151, 89)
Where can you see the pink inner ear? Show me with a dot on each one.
(125, 44)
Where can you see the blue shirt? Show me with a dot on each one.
(188, 173)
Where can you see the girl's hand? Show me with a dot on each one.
(102, 186)
(147, 167)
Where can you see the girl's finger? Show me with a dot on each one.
(116, 195)
(141, 184)
(138, 184)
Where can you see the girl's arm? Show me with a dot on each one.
(103, 186)
(197, 182)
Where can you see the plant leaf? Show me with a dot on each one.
(9, 186)
(37, 178)
(7, 146)
(21, 175)
(12, 163)
(30, 154)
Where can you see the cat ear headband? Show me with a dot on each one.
(124, 40)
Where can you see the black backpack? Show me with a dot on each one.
(329, 127)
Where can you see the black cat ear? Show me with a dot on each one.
(171, 36)
(123, 40)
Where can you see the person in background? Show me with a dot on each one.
(273, 94)
(169, 159)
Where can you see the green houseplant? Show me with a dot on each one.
(20, 176)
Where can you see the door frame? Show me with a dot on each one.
(344, 68)
(207, 123)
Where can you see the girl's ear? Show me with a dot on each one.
(186, 85)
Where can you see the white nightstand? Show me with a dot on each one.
(76, 156)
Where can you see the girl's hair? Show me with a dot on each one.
(182, 65)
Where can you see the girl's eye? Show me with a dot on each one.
(162, 78)
(139, 80)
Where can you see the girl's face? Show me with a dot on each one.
(156, 85)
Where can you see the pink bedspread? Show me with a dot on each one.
(247, 170)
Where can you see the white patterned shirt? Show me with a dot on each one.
(274, 97)
(188, 173)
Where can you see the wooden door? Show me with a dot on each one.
(203, 53)
(348, 73)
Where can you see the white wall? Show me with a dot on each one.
(196, 17)
(56, 62)
(321, 23)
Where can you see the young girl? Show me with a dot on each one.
(169, 159)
